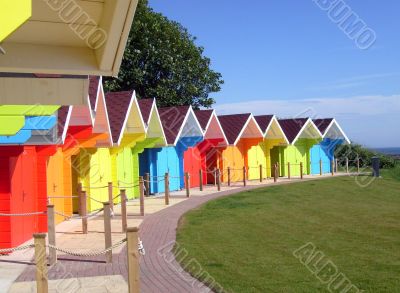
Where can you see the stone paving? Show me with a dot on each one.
(159, 270)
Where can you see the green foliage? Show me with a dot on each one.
(162, 61)
(365, 155)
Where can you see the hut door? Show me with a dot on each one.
(23, 195)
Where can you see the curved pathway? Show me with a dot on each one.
(159, 271)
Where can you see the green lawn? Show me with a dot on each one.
(246, 242)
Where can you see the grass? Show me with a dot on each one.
(246, 242)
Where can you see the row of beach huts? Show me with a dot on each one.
(48, 154)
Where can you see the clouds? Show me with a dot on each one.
(371, 120)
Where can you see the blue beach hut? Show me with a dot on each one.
(332, 135)
(34, 125)
(182, 131)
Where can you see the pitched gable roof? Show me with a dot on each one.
(118, 104)
(146, 106)
(172, 119)
(203, 116)
(63, 116)
(292, 127)
(94, 82)
(264, 121)
(323, 124)
(330, 128)
(233, 125)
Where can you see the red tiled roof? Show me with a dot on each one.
(93, 88)
(203, 116)
(172, 119)
(263, 121)
(322, 124)
(117, 104)
(233, 125)
(145, 106)
(292, 127)
(62, 115)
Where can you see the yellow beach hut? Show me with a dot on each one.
(261, 153)
(127, 129)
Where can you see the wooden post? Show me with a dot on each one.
(275, 172)
(201, 179)
(110, 195)
(288, 169)
(358, 165)
(41, 263)
(187, 184)
(244, 177)
(83, 212)
(261, 173)
(51, 231)
(333, 167)
(229, 176)
(79, 190)
(133, 260)
(147, 183)
(301, 170)
(215, 177)
(347, 165)
(166, 181)
(141, 195)
(123, 210)
(320, 168)
(218, 180)
(107, 230)
(278, 173)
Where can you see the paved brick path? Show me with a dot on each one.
(159, 270)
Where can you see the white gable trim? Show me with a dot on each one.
(220, 126)
(340, 128)
(304, 127)
(274, 119)
(66, 126)
(121, 134)
(154, 111)
(251, 117)
(189, 112)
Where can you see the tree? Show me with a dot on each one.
(161, 60)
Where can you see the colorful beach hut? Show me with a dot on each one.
(195, 158)
(302, 135)
(83, 153)
(182, 130)
(22, 190)
(242, 133)
(260, 155)
(127, 129)
(324, 152)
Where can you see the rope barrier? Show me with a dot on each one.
(22, 214)
(95, 200)
(79, 217)
(73, 196)
(127, 187)
(16, 248)
(87, 254)
(94, 187)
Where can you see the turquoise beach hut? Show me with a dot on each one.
(182, 130)
(324, 152)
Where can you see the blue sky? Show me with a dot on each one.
(289, 58)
